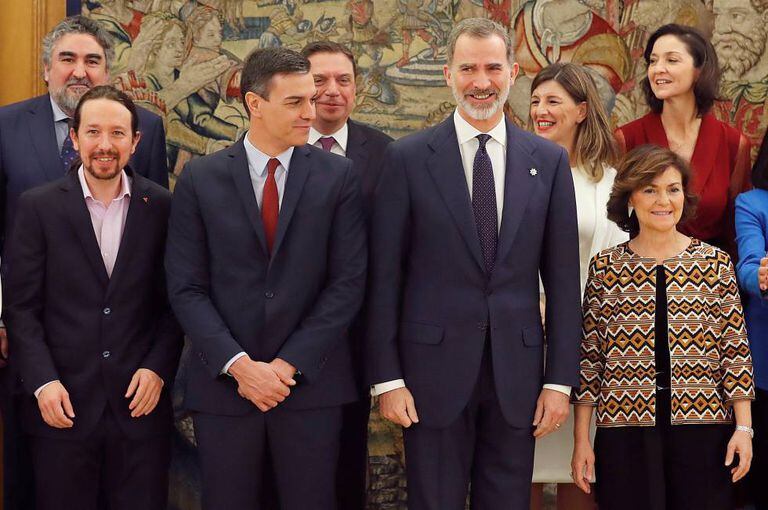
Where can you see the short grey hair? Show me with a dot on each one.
(480, 28)
(78, 25)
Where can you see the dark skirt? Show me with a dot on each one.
(664, 467)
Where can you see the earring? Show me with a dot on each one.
(630, 209)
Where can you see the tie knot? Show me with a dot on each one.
(483, 138)
(272, 165)
(327, 142)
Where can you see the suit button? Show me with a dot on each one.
(482, 326)
(105, 354)
(107, 311)
(269, 294)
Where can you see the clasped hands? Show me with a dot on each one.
(264, 384)
(552, 407)
(57, 410)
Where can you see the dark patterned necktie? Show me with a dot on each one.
(484, 203)
(327, 143)
(68, 152)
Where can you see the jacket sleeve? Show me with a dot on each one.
(339, 301)
(735, 357)
(388, 246)
(751, 240)
(592, 360)
(559, 269)
(158, 159)
(26, 284)
(188, 278)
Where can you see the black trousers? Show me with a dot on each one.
(303, 446)
(479, 448)
(126, 474)
(18, 478)
(664, 467)
(758, 475)
(353, 456)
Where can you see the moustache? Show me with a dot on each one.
(475, 92)
(79, 81)
(104, 154)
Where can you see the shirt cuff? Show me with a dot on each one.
(37, 391)
(225, 370)
(378, 389)
(566, 390)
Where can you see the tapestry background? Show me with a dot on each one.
(182, 59)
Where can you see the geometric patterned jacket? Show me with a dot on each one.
(709, 353)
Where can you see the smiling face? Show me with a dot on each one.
(659, 205)
(104, 139)
(556, 116)
(480, 76)
(334, 78)
(77, 64)
(284, 119)
(671, 69)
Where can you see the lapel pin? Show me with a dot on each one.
(533, 171)
(145, 199)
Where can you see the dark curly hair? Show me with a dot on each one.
(638, 168)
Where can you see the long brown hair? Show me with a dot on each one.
(594, 145)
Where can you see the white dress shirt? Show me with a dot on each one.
(341, 136)
(497, 150)
(257, 168)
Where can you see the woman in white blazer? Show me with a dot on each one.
(566, 109)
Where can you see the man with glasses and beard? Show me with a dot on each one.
(35, 148)
(465, 217)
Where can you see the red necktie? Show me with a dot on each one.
(270, 205)
(327, 143)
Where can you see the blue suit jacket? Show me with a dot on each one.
(431, 304)
(752, 239)
(230, 296)
(29, 156)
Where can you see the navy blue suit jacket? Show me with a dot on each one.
(230, 296)
(29, 155)
(68, 320)
(431, 305)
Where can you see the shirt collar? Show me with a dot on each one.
(341, 136)
(125, 185)
(58, 113)
(257, 160)
(466, 131)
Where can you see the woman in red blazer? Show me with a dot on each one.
(681, 85)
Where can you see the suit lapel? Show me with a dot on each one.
(447, 171)
(134, 220)
(356, 147)
(238, 167)
(704, 159)
(294, 183)
(43, 136)
(518, 187)
(78, 215)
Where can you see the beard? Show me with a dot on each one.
(739, 52)
(483, 112)
(104, 175)
(66, 99)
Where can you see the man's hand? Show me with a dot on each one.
(284, 370)
(55, 407)
(398, 407)
(145, 387)
(762, 274)
(3, 347)
(260, 383)
(552, 409)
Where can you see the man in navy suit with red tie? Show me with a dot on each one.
(266, 263)
(465, 217)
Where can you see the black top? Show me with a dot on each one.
(661, 346)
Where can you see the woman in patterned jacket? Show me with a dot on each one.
(665, 357)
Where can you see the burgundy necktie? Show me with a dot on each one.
(270, 205)
(327, 143)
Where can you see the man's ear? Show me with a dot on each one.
(73, 137)
(253, 100)
(136, 138)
